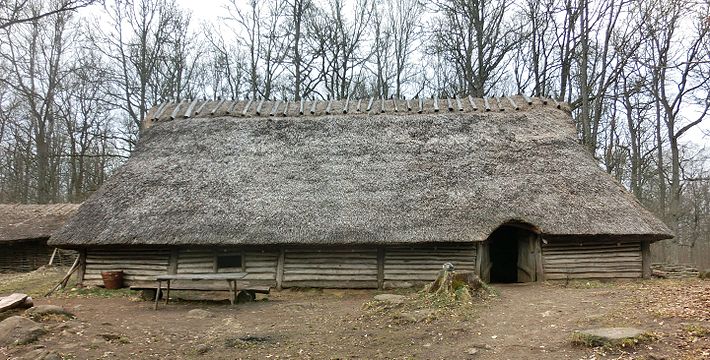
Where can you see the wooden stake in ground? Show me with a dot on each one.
(64, 281)
(51, 259)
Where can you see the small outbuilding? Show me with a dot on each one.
(365, 193)
(24, 231)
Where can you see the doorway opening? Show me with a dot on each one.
(511, 250)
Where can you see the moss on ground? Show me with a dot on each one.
(589, 340)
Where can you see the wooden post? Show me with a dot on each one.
(173, 264)
(539, 271)
(646, 259)
(280, 269)
(51, 259)
(380, 268)
(81, 270)
(479, 257)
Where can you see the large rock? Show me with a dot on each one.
(608, 336)
(390, 298)
(19, 330)
(40, 311)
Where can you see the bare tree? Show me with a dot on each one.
(14, 12)
(476, 37)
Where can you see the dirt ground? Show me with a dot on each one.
(524, 321)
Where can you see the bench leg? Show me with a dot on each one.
(232, 291)
(157, 296)
(167, 293)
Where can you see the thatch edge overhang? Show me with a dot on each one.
(533, 131)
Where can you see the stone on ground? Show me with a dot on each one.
(390, 298)
(199, 314)
(607, 336)
(16, 300)
(44, 310)
(19, 330)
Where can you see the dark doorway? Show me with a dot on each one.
(503, 250)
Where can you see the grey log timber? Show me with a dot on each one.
(646, 259)
(173, 262)
(280, 269)
(380, 268)
(81, 270)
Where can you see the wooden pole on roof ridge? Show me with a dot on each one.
(498, 103)
(188, 113)
(512, 103)
(175, 111)
(527, 99)
(313, 106)
(199, 109)
(327, 107)
(275, 107)
(231, 107)
(258, 107)
(160, 110)
(473, 103)
(219, 104)
(246, 107)
(347, 104)
(458, 103)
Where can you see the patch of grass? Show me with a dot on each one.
(588, 340)
(99, 292)
(697, 330)
(35, 283)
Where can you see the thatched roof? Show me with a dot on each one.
(32, 222)
(358, 178)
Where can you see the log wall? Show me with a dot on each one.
(140, 266)
(332, 268)
(575, 260)
(406, 264)
(300, 267)
(260, 266)
(29, 255)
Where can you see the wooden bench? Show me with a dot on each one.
(232, 280)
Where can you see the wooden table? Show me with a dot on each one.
(231, 279)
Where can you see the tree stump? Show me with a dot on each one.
(455, 284)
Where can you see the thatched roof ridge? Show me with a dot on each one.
(185, 109)
(19, 222)
(358, 179)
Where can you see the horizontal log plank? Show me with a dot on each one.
(337, 284)
(314, 277)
